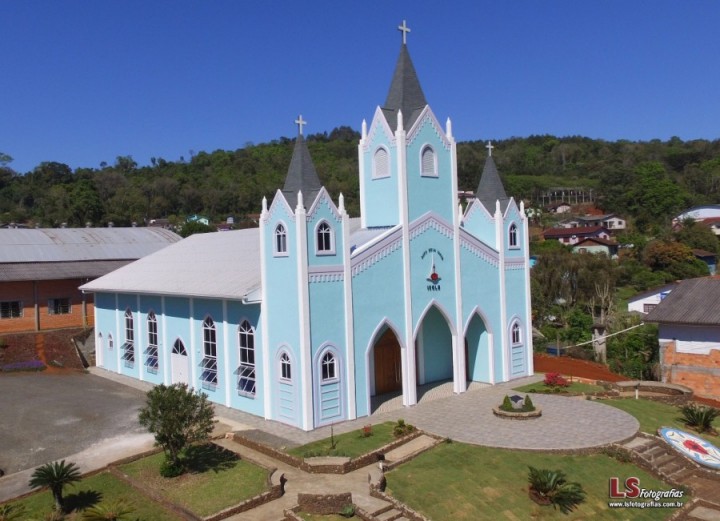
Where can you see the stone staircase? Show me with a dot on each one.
(656, 456)
(389, 513)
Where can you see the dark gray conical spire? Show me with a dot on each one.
(405, 92)
(301, 175)
(490, 189)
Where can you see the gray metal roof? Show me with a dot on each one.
(692, 302)
(213, 265)
(81, 244)
(301, 175)
(491, 188)
(405, 93)
(58, 270)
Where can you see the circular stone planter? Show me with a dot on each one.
(517, 415)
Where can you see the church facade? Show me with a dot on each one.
(308, 317)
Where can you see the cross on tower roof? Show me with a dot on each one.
(300, 122)
(404, 29)
(490, 148)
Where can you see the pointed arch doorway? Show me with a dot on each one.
(387, 364)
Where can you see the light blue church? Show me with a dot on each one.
(306, 318)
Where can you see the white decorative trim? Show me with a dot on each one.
(139, 341)
(528, 305)
(226, 355)
(427, 221)
(434, 303)
(318, 251)
(479, 248)
(361, 169)
(459, 357)
(117, 333)
(276, 252)
(167, 348)
(515, 264)
(420, 355)
(504, 344)
(267, 401)
(349, 320)
(476, 206)
(326, 277)
(323, 197)
(193, 345)
(375, 240)
(306, 387)
(379, 123)
(435, 173)
(427, 117)
(279, 202)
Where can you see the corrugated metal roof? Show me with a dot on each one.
(214, 265)
(81, 244)
(693, 301)
(58, 270)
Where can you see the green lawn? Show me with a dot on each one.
(653, 415)
(455, 482)
(350, 444)
(575, 387)
(218, 479)
(94, 490)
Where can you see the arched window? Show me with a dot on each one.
(129, 346)
(209, 361)
(179, 348)
(381, 163)
(280, 239)
(428, 167)
(512, 236)
(246, 370)
(328, 366)
(325, 239)
(152, 360)
(285, 367)
(515, 333)
(111, 344)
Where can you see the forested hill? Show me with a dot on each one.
(646, 181)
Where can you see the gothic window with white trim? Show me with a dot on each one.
(285, 367)
(325, 239)
(152, 359)
(512, 236)
(328, 366)
(515, 333)
(129, 345)
(381, 163)
(428, 165)
(209, 361)
(280, 240)
(246, 370)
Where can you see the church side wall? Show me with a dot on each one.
(105, 325)
(479, 223)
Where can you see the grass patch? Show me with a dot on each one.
(351, 444)
(653, 415)
(466, 482)
(217, 479)
(573, 388)
(91, 491)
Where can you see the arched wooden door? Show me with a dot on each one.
(388, 371)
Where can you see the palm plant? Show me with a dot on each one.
(114, 511)
(10, 512)
(55, 476)
(699, 417)
(550, 487)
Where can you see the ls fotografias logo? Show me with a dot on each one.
(635, 496)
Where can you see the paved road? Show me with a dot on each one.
(45, 417)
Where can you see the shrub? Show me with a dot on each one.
(550, 487)
(401, 428)
(507, 404)
(555, 381)
(699, 417)
(348, 510)
(619, 453)
(367, 431)
(528, 406)
(11, 512)
(171, 469)
(114, 511)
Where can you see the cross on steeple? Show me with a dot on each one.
(404, 29)
(490, 148)
(300, 122)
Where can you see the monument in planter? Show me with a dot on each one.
(515, 407)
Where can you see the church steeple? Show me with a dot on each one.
(491, 188)
(301, 176)
(405, 93)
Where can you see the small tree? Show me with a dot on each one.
(178, 417)
(551, 487)
(55, 476)
(114, 511)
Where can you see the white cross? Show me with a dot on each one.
(488, 146)
(404, 29)
(300, 122)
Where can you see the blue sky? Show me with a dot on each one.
(86, 81)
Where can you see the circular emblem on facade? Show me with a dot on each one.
(694, 447)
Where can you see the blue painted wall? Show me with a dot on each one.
(437, 347)
(380, 195)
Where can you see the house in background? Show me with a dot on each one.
(646, 301)
(597, 245)
(610, 221)
(689, 335)
(572, 236)
(559, 207)
(41, 270)
(708, 258)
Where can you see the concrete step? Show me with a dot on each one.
(664, 458)
(704, 513)
(637, 443)
(390, 515)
